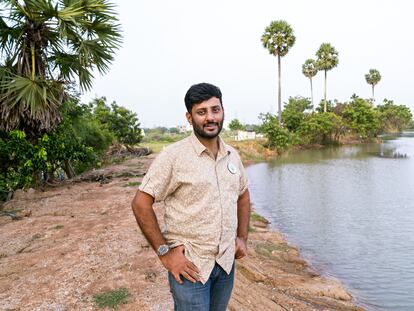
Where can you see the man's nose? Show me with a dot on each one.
(210, 116)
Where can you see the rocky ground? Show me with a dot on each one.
(61, 247)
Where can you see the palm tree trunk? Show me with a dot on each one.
(373, 97)
(33, 61)
(324, 96)
(279, 102)
(313, 108)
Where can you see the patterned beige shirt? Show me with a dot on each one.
(200, 196)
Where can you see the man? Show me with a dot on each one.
(202, 183)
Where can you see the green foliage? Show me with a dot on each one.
(119, 121)
(162, 134)
(321, 128)
(310, 68)
(236, 125)
(112, 298)
(329, 106)
(24, 163)
(277, 136)
(44, 45)
(278, 38)
(294, 112)
(394, 118)
(362, 118)
(373, 77)
(132, 184)
(327, 57)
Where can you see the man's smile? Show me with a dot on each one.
(211, 126)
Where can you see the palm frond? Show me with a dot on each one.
(25, 100)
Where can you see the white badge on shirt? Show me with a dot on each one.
(232, 168)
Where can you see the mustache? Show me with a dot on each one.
(211, 123)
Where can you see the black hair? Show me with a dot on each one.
(200, 92)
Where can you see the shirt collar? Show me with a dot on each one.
(200, 148)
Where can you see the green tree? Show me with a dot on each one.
(294, 112)
(278, 38)
(394, 118)
(327, 58)
(325, 105)
(372, 78)
(277, 137)
(362, 118)
(44, 45)
(321, 128)
(310, 69)
(236, 125)
(120, 121)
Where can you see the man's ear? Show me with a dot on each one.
(189, 118)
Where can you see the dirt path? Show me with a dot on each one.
(81, 240)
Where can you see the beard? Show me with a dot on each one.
(201, 131)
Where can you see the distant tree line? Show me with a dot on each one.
(355, 120)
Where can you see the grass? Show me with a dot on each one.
(266, 248)
(252, 151)
(155, 146)
(112, 298)
(256, 217)
(132, 184)
(251, 229)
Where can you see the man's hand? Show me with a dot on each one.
(241, 248)
(175, 262)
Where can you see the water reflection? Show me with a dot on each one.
(351, 211)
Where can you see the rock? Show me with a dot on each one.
(19, 194)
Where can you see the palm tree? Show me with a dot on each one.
(327, 58)
(45, 46)
(373, 77)
(278, 38)
(310, 69)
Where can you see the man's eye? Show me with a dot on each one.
(200, 113)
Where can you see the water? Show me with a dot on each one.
(350, 210)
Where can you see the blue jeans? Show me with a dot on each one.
(212, 296)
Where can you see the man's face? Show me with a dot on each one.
(207, 118)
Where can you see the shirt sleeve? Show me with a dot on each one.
(158, 181)
(244, 184)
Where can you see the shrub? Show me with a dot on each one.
(294, 112)
(321, 128)
(362, 118)
(277, 136)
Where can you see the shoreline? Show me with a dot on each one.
(79, 239)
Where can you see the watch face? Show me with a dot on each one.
(163, 249)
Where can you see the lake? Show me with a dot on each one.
(350, 211)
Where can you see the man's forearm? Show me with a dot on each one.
(243, 215)
(147, 220)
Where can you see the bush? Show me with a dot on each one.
(294, 112)
(236, 125)
(277, 136)
(394, 118)
(25, 164)
(362, 118)
(121, 122)
(321, 128)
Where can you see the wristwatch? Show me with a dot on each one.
(163, 249)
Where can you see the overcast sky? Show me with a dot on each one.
(170, 45)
